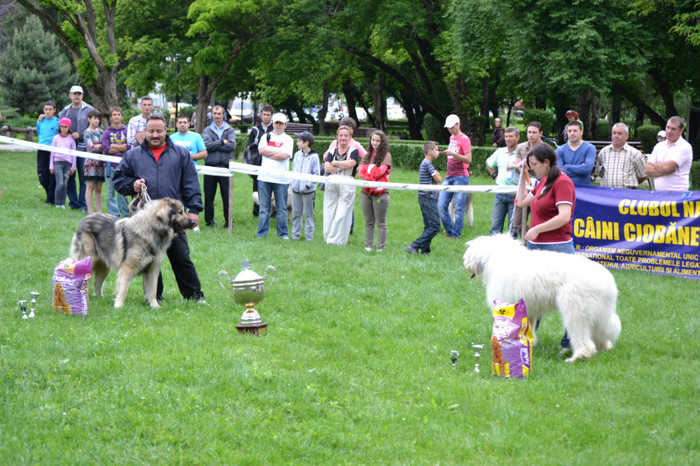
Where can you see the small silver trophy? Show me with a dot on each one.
(477, 355)
(33, 302)
(248, 289)
(23, 306)
(454, 355)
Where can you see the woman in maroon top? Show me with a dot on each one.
(552, 203)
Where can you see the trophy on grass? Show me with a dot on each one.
(248, 290)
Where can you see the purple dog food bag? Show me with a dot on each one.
(511, 340)
(70, 286)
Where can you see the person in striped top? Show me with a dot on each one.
(427, 200)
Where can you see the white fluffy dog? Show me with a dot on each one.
(583, 291)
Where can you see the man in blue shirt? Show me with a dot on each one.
(190, 140)
(577, 157)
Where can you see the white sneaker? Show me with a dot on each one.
(368, 249)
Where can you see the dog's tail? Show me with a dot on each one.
(75, 247)
(614, 327)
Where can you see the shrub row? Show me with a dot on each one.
(647, 136)
(695, 176)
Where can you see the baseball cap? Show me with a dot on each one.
(65, 122)
(451, 120)
(76, 89)
(279, 117)
(661, 134)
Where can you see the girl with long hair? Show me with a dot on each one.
(375, 166)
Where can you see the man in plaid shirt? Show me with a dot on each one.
(619, 164)
(136, 130)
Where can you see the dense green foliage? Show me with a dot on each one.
(33, 69)
(647, 135)
(695, 176)
(543, 116)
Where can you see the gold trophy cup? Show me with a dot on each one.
(248, 289)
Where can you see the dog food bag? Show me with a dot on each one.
(511, 340)
(70, 286)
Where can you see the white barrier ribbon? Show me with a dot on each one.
(235, 167)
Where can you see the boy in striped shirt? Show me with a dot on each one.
(427, 200)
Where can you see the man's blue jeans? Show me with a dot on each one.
(453, 229)
(502, 205)
(265, 190)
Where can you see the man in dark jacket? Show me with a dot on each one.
(166, 170)
(263, 127)
(220, 141)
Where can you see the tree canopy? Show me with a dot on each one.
(435, 57)
(33, 69)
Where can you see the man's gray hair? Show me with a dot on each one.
(513, 129)
(678, 121)
(219, 106)
(623, 126)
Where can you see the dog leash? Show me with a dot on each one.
(139, 200)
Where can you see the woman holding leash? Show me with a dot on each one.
(552, 204)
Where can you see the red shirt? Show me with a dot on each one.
(157, 151)
(545, 208)
(462, 145)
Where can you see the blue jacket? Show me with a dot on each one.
(173, 176)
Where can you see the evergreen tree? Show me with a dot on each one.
(33, 69)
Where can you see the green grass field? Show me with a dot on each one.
(355, 368)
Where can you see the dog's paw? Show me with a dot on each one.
(154, 303)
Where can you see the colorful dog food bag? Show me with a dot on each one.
(511, 340)
(70, 286)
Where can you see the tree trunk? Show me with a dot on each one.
(324, 110)
(207, 87)
(376, 90)
(616, 110)
(203, 96)
(594, 120)
(414, 116)
(583, 104)
(351, 102)
(485, 97)
(559, 101)
(664, 92)
(641, 105)
(103, 89)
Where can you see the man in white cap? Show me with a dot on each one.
(276, 150)
(77, 112)
(669, 162)
(459, 156)
(661, 136)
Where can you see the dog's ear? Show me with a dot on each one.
(479, 268)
